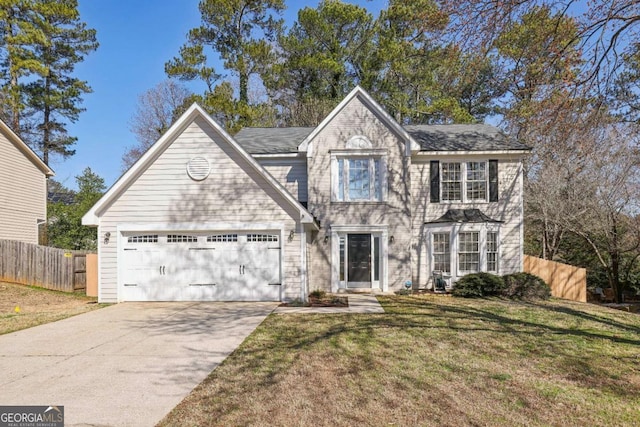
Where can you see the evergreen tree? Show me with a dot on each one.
(54, 97)
(324, 56)
(242, 33)
(19, 32)
(65, 229)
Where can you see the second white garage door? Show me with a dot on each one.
(201, 267)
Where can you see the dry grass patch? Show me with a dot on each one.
(430, 361)
(37, 306)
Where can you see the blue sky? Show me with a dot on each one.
(136, 38)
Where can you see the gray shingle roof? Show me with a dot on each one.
(474, 137)
(272, 140)
(463, 215)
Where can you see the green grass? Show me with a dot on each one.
(430, 361)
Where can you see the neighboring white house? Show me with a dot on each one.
(23, 189)
(272, 213)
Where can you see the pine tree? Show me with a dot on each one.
(19, 33)
(55, 96)
(242, 33)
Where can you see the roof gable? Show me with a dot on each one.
(25, 149)
(150, 156)
(371, 104)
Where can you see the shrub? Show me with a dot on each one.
(525, 286)
(478, 285)
(318, 293)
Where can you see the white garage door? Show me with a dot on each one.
(201, 267)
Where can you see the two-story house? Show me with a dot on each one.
(23, 189)
(359, 201)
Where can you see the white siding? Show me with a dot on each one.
(356, 119)
(507, 209)
(164, 194)
(291, 173)
(23, 194)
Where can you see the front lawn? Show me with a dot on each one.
(430, 360)
(23, 306)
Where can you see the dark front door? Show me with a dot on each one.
(359, 273)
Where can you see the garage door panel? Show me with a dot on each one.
(201, 267)
(200, 292)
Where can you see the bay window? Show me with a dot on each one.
(460, 249)
(441, 252)
(492, 251)
(469, 252)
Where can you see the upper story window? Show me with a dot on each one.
(359, 178)
(451, 185)
(464, 181)
(476, 180)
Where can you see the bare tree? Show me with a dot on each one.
(156, 110)
(610, 192)
(607, 30)
(583, 179)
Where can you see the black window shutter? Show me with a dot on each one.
(434, 176)
(493, 180)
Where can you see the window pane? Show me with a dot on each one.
(341, 179)
(376, 258)
(377, 173)
(492, 251)
(359, 179)
(342, 260)
(451, 181)
(468, 251)
(476, 181)
(441, 252)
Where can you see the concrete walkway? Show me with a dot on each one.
(358, 303)
(124, 365)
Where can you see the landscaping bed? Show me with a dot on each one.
(321, 299)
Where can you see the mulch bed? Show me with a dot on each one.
(325, 301)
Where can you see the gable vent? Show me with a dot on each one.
(198, 168)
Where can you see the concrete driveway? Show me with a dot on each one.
(124, 365)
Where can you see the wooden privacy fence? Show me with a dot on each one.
(566, 281)
(42, 266)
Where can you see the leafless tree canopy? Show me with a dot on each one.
(607, 30)
(156, 110)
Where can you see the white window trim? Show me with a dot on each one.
(497, 252)
(481, 251)
(454, 230)
(362, 154)
(463, 180)
(431, 246)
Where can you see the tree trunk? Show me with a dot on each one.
(14, 94)
(244, 88)
(46, 133)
